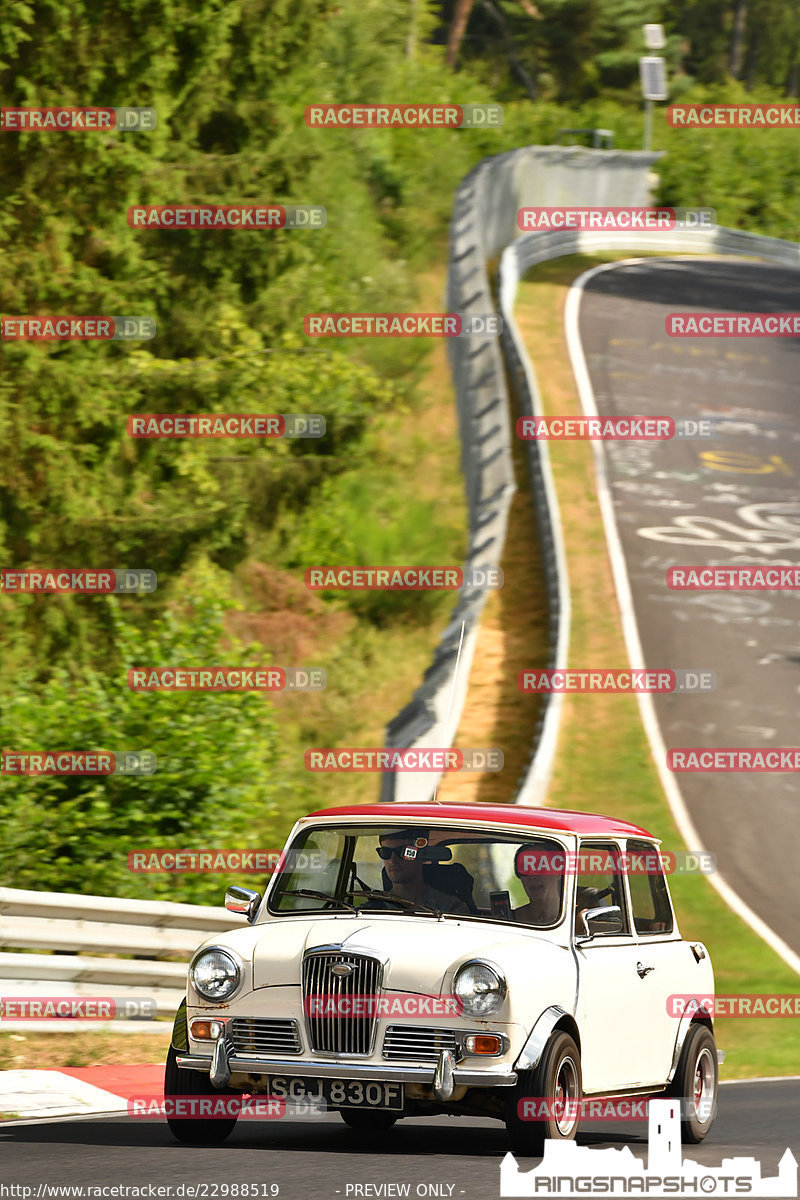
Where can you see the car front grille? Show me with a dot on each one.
(329, 1034)
(418, 1043)
(264, 1036)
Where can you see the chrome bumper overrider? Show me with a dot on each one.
(241, 1064)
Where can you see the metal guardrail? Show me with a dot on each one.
(484, 222)
(59, 927)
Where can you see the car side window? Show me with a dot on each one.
(599, 883)
(652, 911)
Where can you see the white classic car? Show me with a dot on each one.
(419, 959)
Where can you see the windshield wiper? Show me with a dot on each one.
(320, 896)
(410, 905)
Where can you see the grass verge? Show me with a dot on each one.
(51, 1051)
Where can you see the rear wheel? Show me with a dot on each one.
(194, 1131)
(696, 1083)
(368, 1120)
(553, 1092)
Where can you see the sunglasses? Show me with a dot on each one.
(385, 852)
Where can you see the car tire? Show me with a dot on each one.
(365, 1121)
(696, 1083)
(194, 1131)
(557, 1076)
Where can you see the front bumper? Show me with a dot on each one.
(500, 1076)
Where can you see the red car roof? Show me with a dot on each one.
(563, 819)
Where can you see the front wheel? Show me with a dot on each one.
(545, 1102)
(696, 1084)
(366, 1120)
(195, 1131)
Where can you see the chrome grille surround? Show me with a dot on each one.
(334, 1035)
(263, 1036)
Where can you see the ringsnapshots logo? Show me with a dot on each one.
(403, 116)
(401, 579)
(77, 1008)
(226, 425)
(76, 329)
(77, 120)
(91, 581)
(631, 428)
(227, 216)
(730, 325)
(681, 679)
(227, 679)
(733, 116)
(616, 218)
(402, 324)
(424, 758)
(77, 762)
(158, 860)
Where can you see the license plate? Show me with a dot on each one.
(338, 1093)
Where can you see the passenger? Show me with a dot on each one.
(543, 884)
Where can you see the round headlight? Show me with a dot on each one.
(480, 988)
(215, 975)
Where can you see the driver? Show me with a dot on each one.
(541, 875)
(404, 861)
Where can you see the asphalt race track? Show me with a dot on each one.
(317, 1160)
(731, 498)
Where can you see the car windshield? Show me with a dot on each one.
(423, 871)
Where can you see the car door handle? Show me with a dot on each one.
(642, 971)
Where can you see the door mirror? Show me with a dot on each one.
(242, 900)
(600, 920)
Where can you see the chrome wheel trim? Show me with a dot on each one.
(566, 1100)
(704, 1086)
